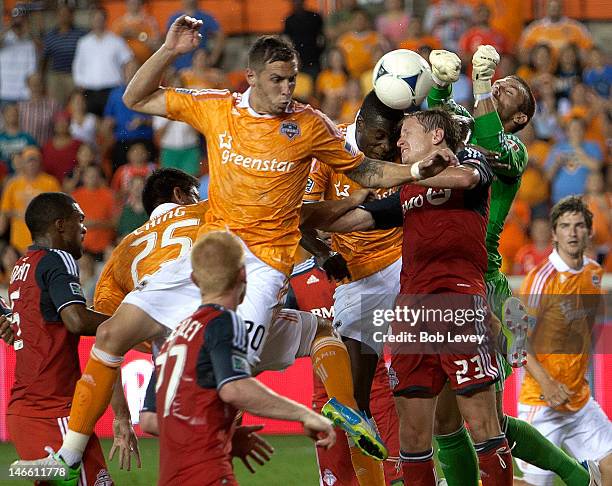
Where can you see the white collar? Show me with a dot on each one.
(561, 266)
(161, 209)
(351, 135)
(243, 102)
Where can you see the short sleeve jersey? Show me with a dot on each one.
(204, 353)
(259, 166)
(444, 232)
(168, 235)
(43, 282)
(565, 303)
(366, 252)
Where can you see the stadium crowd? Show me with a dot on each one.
(64, 124)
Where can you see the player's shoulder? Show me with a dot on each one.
(316, 117)
(541, 275)
(54, 259)
(514, 143)
(304, 267)
(224, 324)
(471, 155)
(591, 267)
(205, 95)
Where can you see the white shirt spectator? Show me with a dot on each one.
(17, 62)
(178, 135)
(85, 131)
(99, 60)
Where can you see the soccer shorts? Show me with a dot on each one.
(335, 467)
(170, 296)
(498, 291)
(585, 434)
(355, 303)
(30, 435)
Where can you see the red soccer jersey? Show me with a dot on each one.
(206, 351)
(42, 283)
(310, 290)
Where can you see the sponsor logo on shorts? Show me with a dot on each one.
(328, 478)
(76, 289)
(290, 130)
(103, 478)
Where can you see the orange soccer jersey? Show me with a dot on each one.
(556, 34)
(259, 166)
(366, 252)
(565, 303)
(169, 234)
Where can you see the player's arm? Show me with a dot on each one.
(80, 320)
(322, 213)
(144, 93)
(333, 263)
(473, 171)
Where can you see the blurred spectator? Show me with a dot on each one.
(585, 104)
(448, 20)
(211, 31)
(36, 114)
(513, 236)
(600, 203)
(8, 258)
(179, 143)
(532, 254)
(598, 74)
(59, 48)
(305, 29)
(60, 153)
(139, 30)
(83, 125)
(555, 30)
(98, 203)
(339, 21)
(331, 82)
(12, 139)
(568, 72)
(570, 162)
(540, 63)
(358, 45)
(133, 214)
(304, 88)
(98, 62)
(545, 120)
(204, 180)
(29, 182)
(85, 157)
(352, 102)
(416, 40)
(17, 60)
(201, 74)
(128, 127)
(481, 33)
(392, 24)
(138, 165)
(534, 185)
(365, 80)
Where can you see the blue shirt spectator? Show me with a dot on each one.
(128, 124)
(210, 29)
(12, 139)
(599, 79)
(59, 44)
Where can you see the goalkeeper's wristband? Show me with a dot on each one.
(481, 87)
(415, 171)
(438, 82)
(483, 96)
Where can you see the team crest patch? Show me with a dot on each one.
(76, 289)
(290, 130)
(596, 280)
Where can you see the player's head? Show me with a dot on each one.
(55, 220)
(514, 101)
(572, 226)
(378, 128)
(217, 261)
(426, 131)
(168, 185)
(271, 74)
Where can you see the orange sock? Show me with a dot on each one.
(93, 391)
(332, 364)
(369, 471)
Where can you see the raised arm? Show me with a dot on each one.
(144, 93)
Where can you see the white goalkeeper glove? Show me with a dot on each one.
(445, 67)
(484, 63)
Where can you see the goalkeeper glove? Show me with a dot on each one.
(445, 67)
(484, 62)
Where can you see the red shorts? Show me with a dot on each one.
(426, 374)
(335, 465)
(30, 435)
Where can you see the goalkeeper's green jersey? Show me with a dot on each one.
(489, 133)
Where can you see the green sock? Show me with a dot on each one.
(530, 446)
(457, 457)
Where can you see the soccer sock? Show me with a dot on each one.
(495, 462)
(418, 468)
(458, 459)
(369, 471)
(529, 445)
(332, 364)
(91, 397)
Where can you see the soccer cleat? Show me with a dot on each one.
(594, 472)
(357, 427)
(517, 322)
(53, 462)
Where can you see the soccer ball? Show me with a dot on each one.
(402, 79)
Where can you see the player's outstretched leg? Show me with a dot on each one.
(516, 322)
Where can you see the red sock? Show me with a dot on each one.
(495, 461)
(418, 469)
